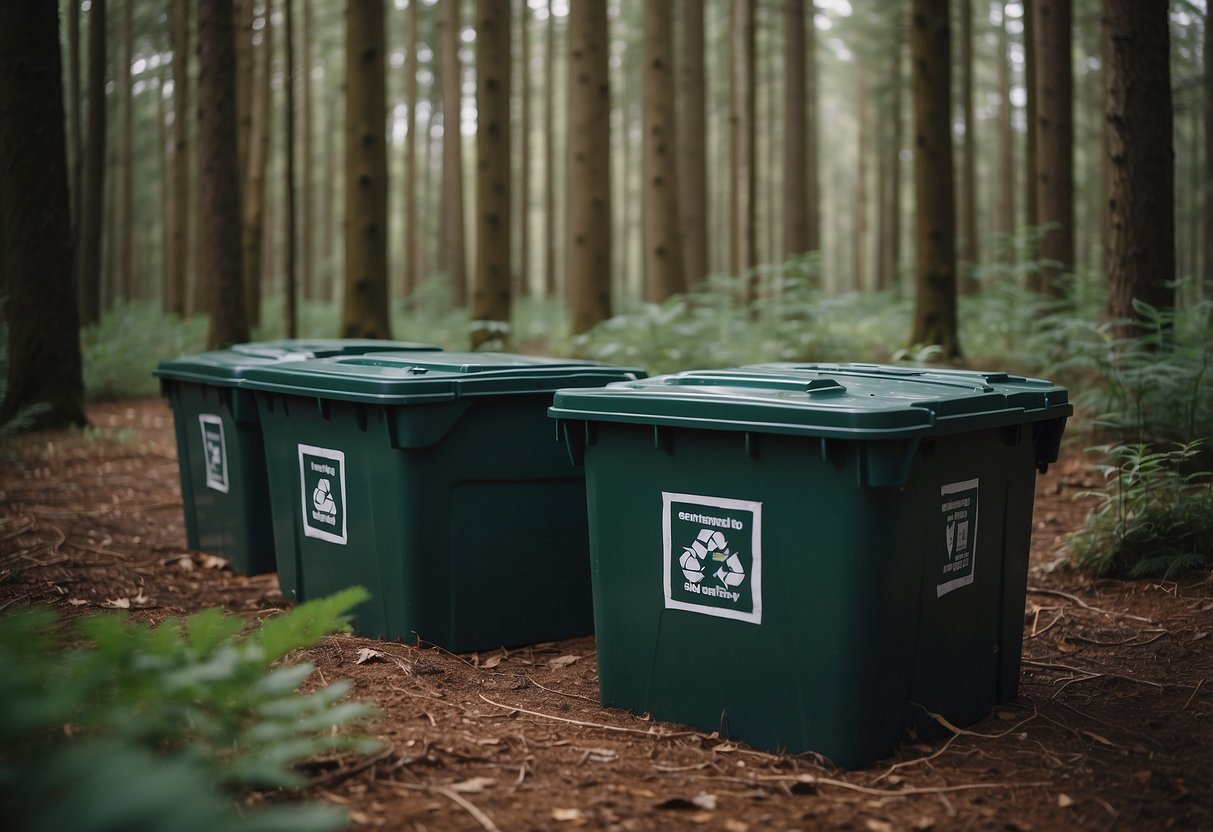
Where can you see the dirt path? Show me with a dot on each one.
(1113, 728)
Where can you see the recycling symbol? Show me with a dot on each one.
(322, 498)
(709, 554)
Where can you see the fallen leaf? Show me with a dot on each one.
(731, 825)
(1065, 801)
(1006, 716)
(1066, 647)
(117, 603)
(1200, 636)
(1091, 735)
(705, 801)
(360, 818)
(77, 602)
(875, 825)
(564, 661)
(213, 562)
(924, 823)
(141, 599)
(567, 815)
(473, 786)
(491, 662)
(1143, 775)
(724, 748)
(701, 817)
(643, 792)
(366, 654)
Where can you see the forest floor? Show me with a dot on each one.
(1113, 727)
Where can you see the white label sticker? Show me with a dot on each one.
(712, 556)
(214, 451)
(322, 491)
(957, 540)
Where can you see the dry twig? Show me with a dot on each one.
(1040, 590)
(462, 802)
(648, 733)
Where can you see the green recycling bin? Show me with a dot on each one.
(437, 482)
(811, 559)
(219, 447)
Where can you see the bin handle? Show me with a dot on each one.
(814, 386)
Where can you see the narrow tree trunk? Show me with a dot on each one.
(307, 211)
(128, 282)
(219, 183)
(934, 193)
(242, 22)
(166, 194)
(1004, 151)
(859, 239)
(890, 167)
(589, 179)
(491, 295)
(523, 282)
(812, 186)
(408, 282)
(75, 127)
(364, 312)
(327, 289)
(253, 196)
(693, 160)
(1031, 217)
(550, 287)
(452, 157)
(1139, 122)
(290, 288)
(1054, 141)
(91, 219)
(1208, 142)
(182, 194)
(44, 367)
(795, 219)
(969, 249)
(741, 124)
(662, 237)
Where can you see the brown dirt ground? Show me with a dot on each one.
(1113, 728)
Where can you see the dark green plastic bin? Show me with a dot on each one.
(811, 559)
(438, 483)
(219, 448)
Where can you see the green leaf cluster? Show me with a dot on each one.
(107, 724)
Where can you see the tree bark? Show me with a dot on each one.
(452, 157)
(290, 280)
(589, 179)
(890, 166)
(795, 176)
(128, 282)
(408, 282)
(523, 281)
(491, 295)
(166, 192)
(969, 249)
(1139, 124)
(812, 186)
(364, 312)
(75, 127)
(1054, 142)
(44, 367)
(662, 234)
(307, 211)
(741, 128)
(219, 184)
(550, 282)
(242, 23)
(1208, 142)
(182, 193)
(693, 161)
(91, 219)
(934, 193)
(859, 238)
(252, 191)
(1031, 218)
(1004, 151)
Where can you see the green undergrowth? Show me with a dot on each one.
(108, 724)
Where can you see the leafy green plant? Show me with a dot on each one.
(109, 724)
(1154, 517)
(123, 347)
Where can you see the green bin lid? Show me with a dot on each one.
(227, 368)
(857, 401)
(399, 378)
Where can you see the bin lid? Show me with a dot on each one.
(227, 368)
(835, 400)
(406, 378)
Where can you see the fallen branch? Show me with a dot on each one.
(956, 733)
(343, 774)
(1092, 674)
(1193, 696)
(1040, 590)
(812, 780)
(560, 692)
(650, 732)
(462, 802)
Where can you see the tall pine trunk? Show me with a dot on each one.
(969, 250)
(408, 277)
(662, 232)
(44, 367)
(693, 159)
(795, 175)
(290, 278)
(743, 237)
(307, 212)
(253, 186)
(1054, 142)
(219, 181)
(589, 179)
(364, 312)
(550, 231)
(452, 157)
(889, 245)
(812, 188)
(1139, 125)
(523, 281)
(128, 283)
(1004, 149)
(1030, 216)
(182, 193)
(491, 293)
(91, 219)
(1208, 142)
(75, 127)
(934, 193)
(859, 237)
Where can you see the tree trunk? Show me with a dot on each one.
(969, 249)
(91, 219)
(550, 286)
(242, 23)
(75, 127)
(219, 183)
(252, 192)
(662, 237)
(288, 231)
(128, 284)
(307, 211)
(1141, 193)
(408, 283)
(693, 161)
(741, 128)
(1208, 142)
(1031, 218)
(812, 188)
(364, 312)
(859, 238)
(523, 281)
(491, 295)
(890, 167)
(166, 194)
(934, 193)
(327, 288)
(452, 157)
(44, 367)
(589, 179)
(795, 220)
(182, 194)
(1054, 142)
(1004, 151)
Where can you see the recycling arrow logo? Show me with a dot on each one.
(322, 498)
(711, 549)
